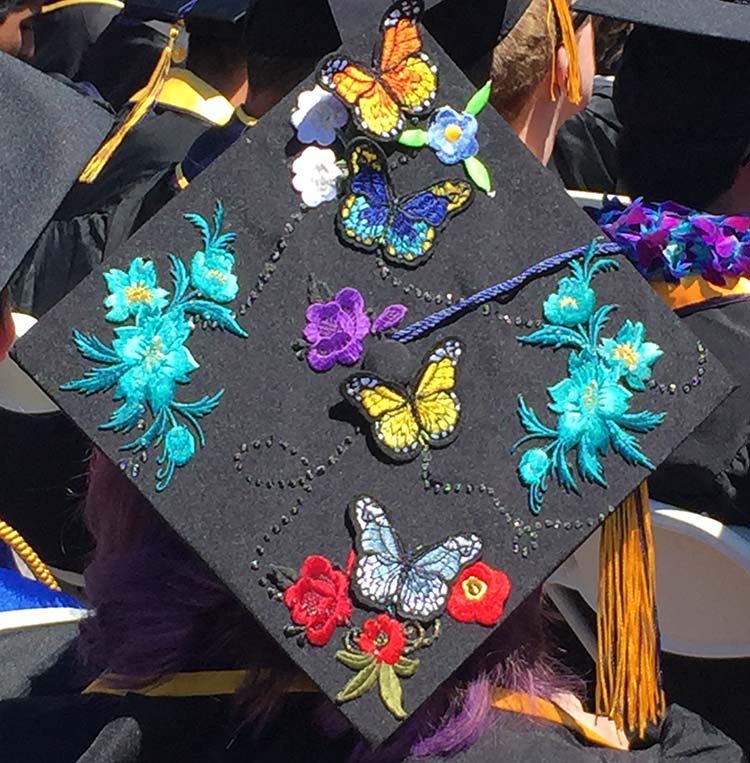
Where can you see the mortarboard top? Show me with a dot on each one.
(292, 469)
(216, 11)
(725, 19)
(48, 131)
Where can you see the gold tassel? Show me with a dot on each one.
(561, 10)
(628, 676)
(144, 99)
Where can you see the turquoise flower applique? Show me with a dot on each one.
(452, 135)
(592, 404)
(134, 292)
(149, 358)
(211, 268)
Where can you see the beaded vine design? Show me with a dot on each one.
(149, 356)
(592, 403)
(407, 592)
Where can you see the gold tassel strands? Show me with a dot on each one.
(143, 100)
(559, 9)
(628, 677)
(33, 562)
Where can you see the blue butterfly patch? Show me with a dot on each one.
(371, 217)
(388, 577)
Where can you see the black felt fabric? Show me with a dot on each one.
(585, 153)
(275, 400)
(710, 471)
(62, 37)
(727, 19)
(683, 736)
(49, 131)
(229, 11)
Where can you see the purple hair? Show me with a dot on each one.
(160, 610)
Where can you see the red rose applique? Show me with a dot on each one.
(479, 595)
(383, 638)
(318, 599)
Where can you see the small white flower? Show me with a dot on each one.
(315, 175)
(318, 115)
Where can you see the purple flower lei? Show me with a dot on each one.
(666, 241)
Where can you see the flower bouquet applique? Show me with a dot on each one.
(149, 357)
(404, 593)
(592, 404)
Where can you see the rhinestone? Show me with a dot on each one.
(534, 545)
(266, 537)
(525, 552)
(418, 292)
(243, 447)
(490, 491)
(482, 488)
(123, 465)
(686, 388)
(143, 456)
(548, 523)
(281, 244)
(255, 564)
(309, 474)
(243, 309)
(332, 460)
(701, 371)
(320, 471)
(408, 288)
(237, 456)
(258, 482)
(447, 488)
(135, 470)
(304, 461)
(269, 442)
(427, 296)
(396, 281)
(294, 451)
(259, 550)
(538, 525)
(567, 525)
(469, 488)
(485, 309)
(556, 524)
(262, 582)
(288, 228)
(294, 511)
(438, 299)
(238, 466)
(281, 484)
(284, 519)
(578, 524)
(275, 529)
(256, 444)
(653, 384)
(695, 381)
(672, 388)
(348, 440)
(269, 484)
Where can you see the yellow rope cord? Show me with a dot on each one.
(628, 688)
(23, 549)
(559, 9)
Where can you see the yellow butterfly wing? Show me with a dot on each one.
(436, 405)
(389, 410)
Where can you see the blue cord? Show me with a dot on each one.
(419, 328)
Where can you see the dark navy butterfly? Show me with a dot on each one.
(371, 217)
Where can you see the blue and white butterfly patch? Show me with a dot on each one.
(413, 584)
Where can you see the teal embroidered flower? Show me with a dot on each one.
(592, 403)
(452, 135)
(630, 355)
(571, 304)
(211, 268)
(134, 292)
(148, 359)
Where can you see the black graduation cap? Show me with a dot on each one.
(380, 488)
(726, 19)
(48, 131)
(226, 11)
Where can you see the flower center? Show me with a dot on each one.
(138, 292)
(381, 640)
(474, 589)
(216, 275)
(452, 133)
(568, 302)
(590, 396)
(310, 603)
(154, 354)
(627, 354)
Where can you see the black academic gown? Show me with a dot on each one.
(63, 36)
(585, 152)
(710, 471)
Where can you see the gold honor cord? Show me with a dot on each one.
(15, 540)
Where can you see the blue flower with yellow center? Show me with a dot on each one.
(212, 277)
(630, 356)
(572, 303)
(154, 352)
(453, 135)
(134, 292)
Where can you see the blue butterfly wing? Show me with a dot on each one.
(412, 230)
(426, 584)
(380, 558)
(365, 210)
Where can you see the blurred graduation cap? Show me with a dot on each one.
(726, 19)
(352, 407)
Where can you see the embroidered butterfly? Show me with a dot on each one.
(372, 217)
(414, 584)
(401, 81)
(404, 421)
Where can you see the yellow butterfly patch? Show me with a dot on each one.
(407, 420)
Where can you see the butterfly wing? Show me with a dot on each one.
(436, 405)
(388, 408)
(411, 233)
(406, 72)
(364, 211)
(380, 557)
(425, 585)
(374, 110)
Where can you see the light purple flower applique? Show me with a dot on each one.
(335, 330)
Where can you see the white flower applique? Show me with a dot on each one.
(316, 175)
(318, 115)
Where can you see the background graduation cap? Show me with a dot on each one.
(280, 458)
(727, 19)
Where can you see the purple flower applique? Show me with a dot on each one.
(335, 330)
(388, 318)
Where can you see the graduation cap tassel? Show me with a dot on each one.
(143, 101)
(561, 10)
(15, 540)
(628, 676)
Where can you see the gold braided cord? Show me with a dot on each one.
(15, 540)
(628, 680)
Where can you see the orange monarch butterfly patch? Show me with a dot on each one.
(402, 80)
